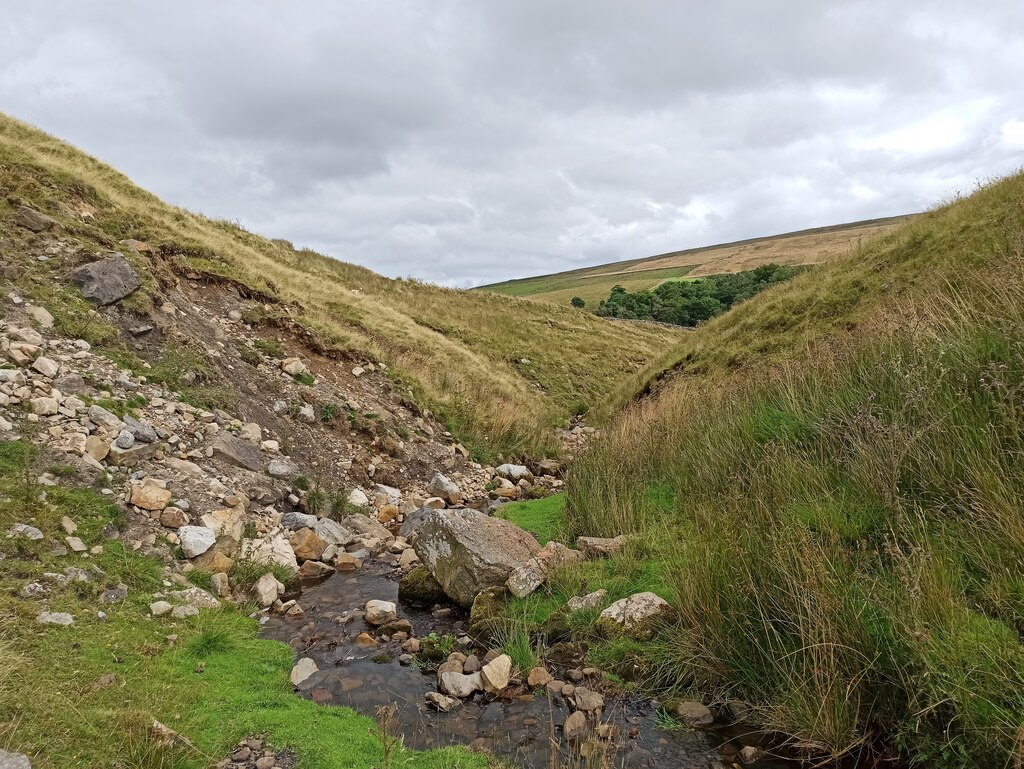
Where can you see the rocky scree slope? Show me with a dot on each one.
(243, 467)
(499, 371)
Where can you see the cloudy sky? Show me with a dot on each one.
(468, 141)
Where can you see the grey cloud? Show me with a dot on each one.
(466, 142)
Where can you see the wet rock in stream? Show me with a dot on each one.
(516, 723)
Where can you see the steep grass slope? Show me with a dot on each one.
(592, 284)
(830, 489)
(462, 352)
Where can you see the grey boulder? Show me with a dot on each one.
(106, 281)
(467, 551)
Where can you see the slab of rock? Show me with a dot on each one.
(267, 589)
(539, 677)
(44, 406)
(314, 570)
(55, 618)
(443, 487)
(514, 473)
(196, 596)
(10, 760)
(346, 562)
(694, 714)
(587, 700)
(282, 468)
(173, 518)
(534, 573)
(294, 521)
(24, 531)
(459, 684)
(302, 670)
(333, 533)
(226, 522)
(33, 220)
(195, 540)
(588, 601)
(380, 612)
(268, 551)
(439, 701)
(600, 547)
(238, 452)
(495, 674)
(106, 281)
(140, 431)
(307, 546)
(638, 616)
(160, 608)
(48, 367)
(139, 452)
(467, 551)
(149, 496)
(576, 727)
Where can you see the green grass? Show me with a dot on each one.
(217, 683)
(840, 534)
(540, 517)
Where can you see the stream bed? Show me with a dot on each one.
(522, 726)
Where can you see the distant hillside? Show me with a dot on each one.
(500, 371)
(592, 284)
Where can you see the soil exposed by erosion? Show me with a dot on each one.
(523, 724)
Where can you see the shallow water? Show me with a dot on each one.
(521, 727)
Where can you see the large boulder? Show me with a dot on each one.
(467, 551)
(238, 452)
(31, 219)
(106, 281)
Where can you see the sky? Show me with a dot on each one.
(470, 141)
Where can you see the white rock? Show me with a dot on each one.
(380, 612)
(160, 608)
(196, 540)
(47, 367)
(302, 670)
(495, 674)
(358, 498)
(55, 618)
(460, 685)
(268, 589)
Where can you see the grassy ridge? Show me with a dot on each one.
(595, 283)
(460, 351)
(842, 534)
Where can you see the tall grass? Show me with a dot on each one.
(846, 534)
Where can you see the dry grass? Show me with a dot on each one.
(461, 352)
(593, 284)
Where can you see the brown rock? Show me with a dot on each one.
(307, 545)
(149, 496)
(345, 562)
(173, 518)
(539, 677)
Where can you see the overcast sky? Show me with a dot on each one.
(468, 141)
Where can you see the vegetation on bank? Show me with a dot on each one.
(691, 302)
(592, 284)
(461, 353)
(841, 534)
(541, 517)
(86, 695)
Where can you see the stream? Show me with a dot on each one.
(520, 726)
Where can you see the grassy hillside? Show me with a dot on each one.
(592, 284)
(462, 352)
(829, 489)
